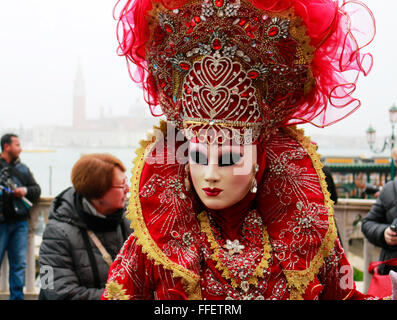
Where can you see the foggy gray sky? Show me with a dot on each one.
(43, 41)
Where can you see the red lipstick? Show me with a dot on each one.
(212, 192)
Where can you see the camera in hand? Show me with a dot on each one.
(393, 225)
(6, 181)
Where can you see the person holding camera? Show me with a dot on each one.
(18, 192)
(380, 225)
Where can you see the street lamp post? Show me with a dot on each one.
(389, 141)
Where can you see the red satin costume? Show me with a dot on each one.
(238, 67)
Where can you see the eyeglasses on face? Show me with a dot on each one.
(123, 185)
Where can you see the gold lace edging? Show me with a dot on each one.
(298, 280)
(115, 291)
(205, 226)
(190, 280)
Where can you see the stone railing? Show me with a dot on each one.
(347, 211)
(40, 208)
(347, 214)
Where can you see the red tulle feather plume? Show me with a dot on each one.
(338, 30)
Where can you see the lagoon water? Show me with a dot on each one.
(52, 168)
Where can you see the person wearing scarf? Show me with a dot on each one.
(72, 266)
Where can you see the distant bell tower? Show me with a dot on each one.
(79, 100)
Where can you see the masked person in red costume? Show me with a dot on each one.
(228, 197)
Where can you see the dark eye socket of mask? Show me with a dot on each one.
(229, 159)
(226, 158)
(198, 157)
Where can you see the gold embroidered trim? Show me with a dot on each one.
(190, 280)
(115, 291)
(298, 280)
(205, 226)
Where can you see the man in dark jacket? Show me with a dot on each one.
(18, 192)
(376, 225)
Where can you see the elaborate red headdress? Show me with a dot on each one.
(247, 66)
